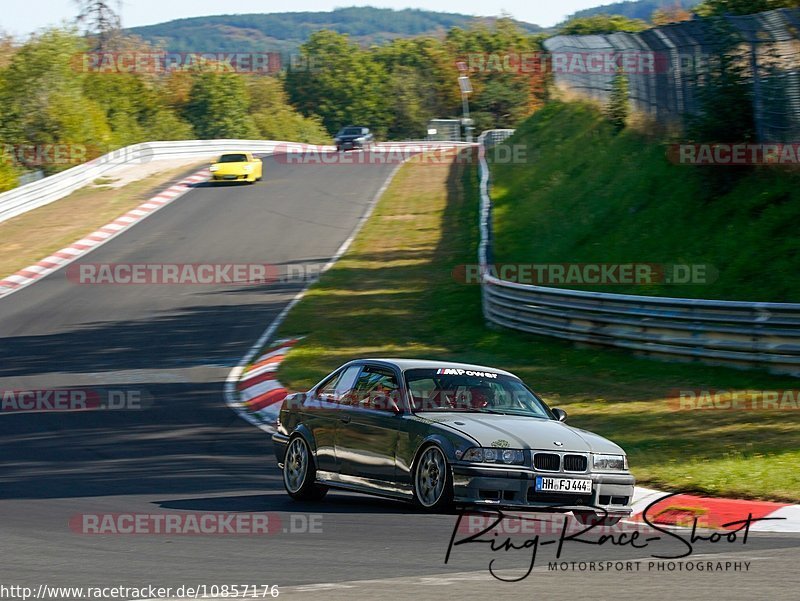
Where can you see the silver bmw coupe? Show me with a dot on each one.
(439, 434)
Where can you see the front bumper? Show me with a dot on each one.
(350, 145)
(230, 177)
(514, 487)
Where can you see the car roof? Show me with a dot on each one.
(406, 364)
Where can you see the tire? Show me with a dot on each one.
(433, 480)
(300, 473)
(591, 518)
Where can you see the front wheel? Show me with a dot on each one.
(299, 472)
(433, 480)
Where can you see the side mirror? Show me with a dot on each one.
(560, 414)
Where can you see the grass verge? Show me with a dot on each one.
(31, 236)
(393, 294)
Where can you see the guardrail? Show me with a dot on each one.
(733, 333)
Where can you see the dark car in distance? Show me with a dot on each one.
(353, 138)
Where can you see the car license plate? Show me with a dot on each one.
(567, 485)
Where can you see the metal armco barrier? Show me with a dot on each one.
(733, 333)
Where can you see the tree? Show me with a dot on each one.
(218, 107)
(601, 24)
(726, 90)
(673, 14)
(339, 82)
(274, 117)
(711, 8)
(101, 22)
(43, 98)
(618, 105)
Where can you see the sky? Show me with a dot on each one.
(20, 21)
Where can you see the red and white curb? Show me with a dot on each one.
(65, 256)
(260, 393)
(711, 512)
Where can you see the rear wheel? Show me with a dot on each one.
(299, 472)
(433, 480)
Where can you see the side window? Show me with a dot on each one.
(340, 383)
(348, 380)
(329, 386)
(376, 389)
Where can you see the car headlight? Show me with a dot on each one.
(609, 463)
(248, 168)
(360, 139)
(337, 139)
(506, 456)
(213, 168)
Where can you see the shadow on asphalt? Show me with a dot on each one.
(334, 503)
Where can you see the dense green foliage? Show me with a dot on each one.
(50, 97)
(49, 100)
(284, 32)
(600, 24)
(398, 87)
(742, 7)
(591, 195)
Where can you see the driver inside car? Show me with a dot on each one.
(381, 395)
(476, 397)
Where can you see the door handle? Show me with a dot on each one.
(345, 419)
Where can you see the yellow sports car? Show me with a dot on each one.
(237, 166)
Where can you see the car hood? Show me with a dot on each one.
(518, 432)
(350, 138)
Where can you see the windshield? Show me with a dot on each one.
(350, 131)
(233, 158)
(460, 390)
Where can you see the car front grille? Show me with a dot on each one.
(575, 463)
(548, 462)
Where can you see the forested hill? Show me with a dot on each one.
(636, 9)
(284, 32)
